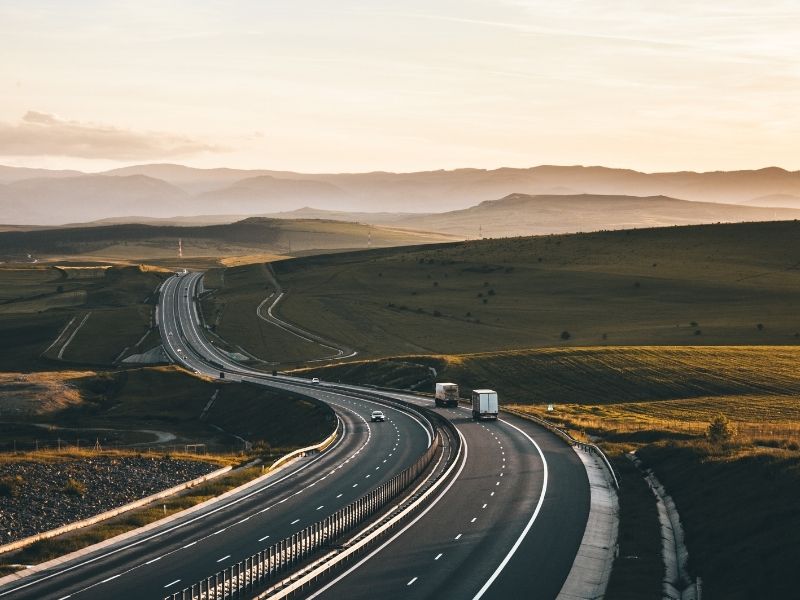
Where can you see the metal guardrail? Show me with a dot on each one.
(593, 448)
(276, 562)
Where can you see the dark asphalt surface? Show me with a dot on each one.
(461, 543)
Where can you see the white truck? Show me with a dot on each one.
(484, 404)
(446, 394)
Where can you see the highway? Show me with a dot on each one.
(507, 526)
(163, 560)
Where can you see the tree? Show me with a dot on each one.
(720, 431)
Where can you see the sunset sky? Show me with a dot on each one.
(411, 85)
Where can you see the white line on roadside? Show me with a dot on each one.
(438, 556)
(172, 583)
(226, 557)
(412, 581)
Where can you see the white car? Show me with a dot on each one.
(377, 415)
(315, 380)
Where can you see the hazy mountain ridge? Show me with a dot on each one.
(63, 196)
(523, 214)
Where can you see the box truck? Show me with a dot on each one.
(446, 394)
(484, 404)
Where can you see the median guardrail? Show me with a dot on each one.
(278, 561)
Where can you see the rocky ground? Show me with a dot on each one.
(38, 496)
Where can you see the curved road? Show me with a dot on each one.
(509, 526)
(163, 560)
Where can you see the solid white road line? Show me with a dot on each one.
(525, 531)
(172, 583)
(458, 537)
(263, 538)
(412, 581)
(294, 522)
(226, 557)
(438, 556)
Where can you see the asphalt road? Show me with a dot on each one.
(165, 559)
(508, 526)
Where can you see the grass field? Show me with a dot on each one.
(231, 312)
(37, 303)
(119, 409)
(704, 285)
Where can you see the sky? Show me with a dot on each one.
(320, 86)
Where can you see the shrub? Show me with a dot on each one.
(698, 332)
(73, 487)
(485, 300)
(637, 285)
(10, 486)
(565, 335)
(693, 324)
(491, 292)
(720, 431)
(436, 313)
(760, 327)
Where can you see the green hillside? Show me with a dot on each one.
(698, 285)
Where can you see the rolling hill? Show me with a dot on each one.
(695, 285)
(253, 236)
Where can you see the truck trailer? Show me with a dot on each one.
(484, 404)
(446, 394)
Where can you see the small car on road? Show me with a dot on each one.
(377, 415)
(315, 380)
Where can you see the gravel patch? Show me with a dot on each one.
(39, 502)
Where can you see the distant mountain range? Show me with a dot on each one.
(522, 214)
(42, 197)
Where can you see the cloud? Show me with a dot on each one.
(44, 134)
